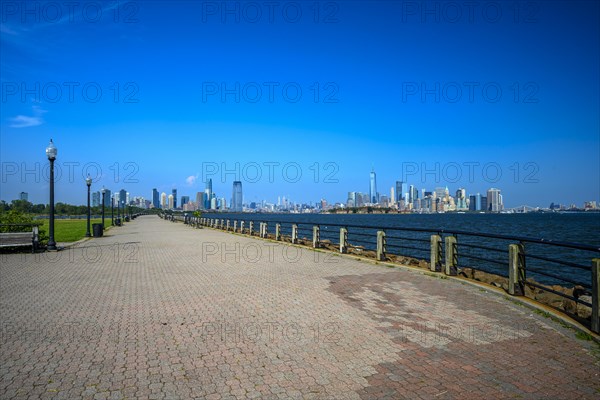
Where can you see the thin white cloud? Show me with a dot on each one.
(23, 121)
(26, 121)
(191, 180)
(7, 30)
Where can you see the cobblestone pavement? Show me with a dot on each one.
(162, 310)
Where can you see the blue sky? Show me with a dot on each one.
(168, 94)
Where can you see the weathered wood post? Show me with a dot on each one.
(294, 233)
(381, 245)
(241, 226)
(516, 269)
(277, 231)
(228, 223)
(451, 255)
(435, 260)
(265, 230)
(343, 240)
(260, 229)
(222, 226)
(250, 227)
(596, 295)
(316, 236)
(235, 225)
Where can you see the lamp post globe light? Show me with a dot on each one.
(103, 193)
(51, 152)
(88, 182)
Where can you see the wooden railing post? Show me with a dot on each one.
(516, 269)
(343, 240)
(250, 227)
(381, 245)
(316, 236)
(294, 233)
(451, 255)
(265, 230)
(235, 225)
(435, 260)
(277, 231)
(241, 226)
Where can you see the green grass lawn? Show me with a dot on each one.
(71, 230)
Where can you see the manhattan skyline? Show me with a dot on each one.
(170, 92)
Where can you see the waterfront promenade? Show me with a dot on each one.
(157, 309)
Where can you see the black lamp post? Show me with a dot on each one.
(103, 193)
(88, 182)
(51, 152)
(112, 210)
(122, 211)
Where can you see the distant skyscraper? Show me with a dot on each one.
(494, 199)
(95, 199)
(24, 196)
(184, 200)
(440, 193)
(201, 200)
(484, 204)
(163, 201)
(107, 197)
(171, 202)
(373, 197)
(155, 198)
(398, 191)
(122, 197)
(351, 200)
(174, 194)
(209, 193)
(236, 198)
(473, 202)
(461, 199)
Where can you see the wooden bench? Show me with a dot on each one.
(18, 239)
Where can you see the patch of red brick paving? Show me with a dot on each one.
(482, 347)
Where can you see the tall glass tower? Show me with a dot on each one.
(174, 193)
(155, 198)
(399, 192)
(236, 198)
(373, 197)
(208, 192)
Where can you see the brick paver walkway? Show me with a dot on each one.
(160, 310)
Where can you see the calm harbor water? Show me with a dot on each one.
(581, 228)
